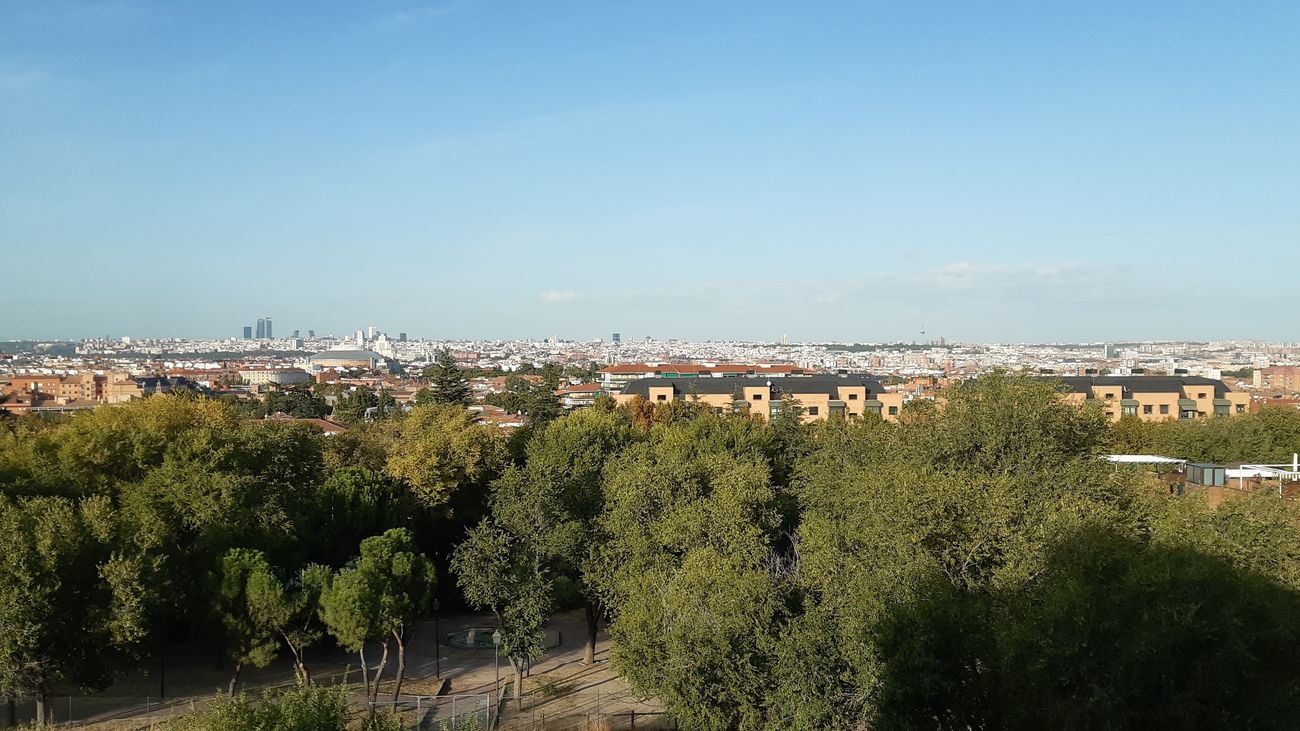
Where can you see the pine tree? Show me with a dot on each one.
(447, 382)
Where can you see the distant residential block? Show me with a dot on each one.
(819, 396)
(614, 377)
(1158, 398)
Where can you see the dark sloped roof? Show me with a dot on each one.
(1143, 384)
(792, 385)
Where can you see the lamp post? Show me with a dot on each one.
(496, 649)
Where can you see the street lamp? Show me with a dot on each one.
(496, 649)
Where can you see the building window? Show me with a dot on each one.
(1128, 411)
(812, 411)
(1200, 395)
(1109, 396)
(1146, 408)
(853, 397)
(661, 397)
(1241, 409)
(1164, 408)
(893, 410)
(758, 397)
(1221, 410)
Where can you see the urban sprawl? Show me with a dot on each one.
(1150, 380)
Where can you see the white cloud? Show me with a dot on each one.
(556, 296)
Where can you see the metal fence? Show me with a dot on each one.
(561, 708)
(617, 721)
(555, 710)
(457, 712)
(102, 712)
(129, 713)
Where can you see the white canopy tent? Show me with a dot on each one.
(1142, 459)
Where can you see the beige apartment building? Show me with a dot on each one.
(85, 387)
(818, 396)
(38, 393)
(1157, 398)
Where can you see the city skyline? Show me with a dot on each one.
(1000, 174)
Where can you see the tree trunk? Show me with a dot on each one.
(234, 679)
(365, 670)
(401, 663)
(300, 673)
(42, 703)
(518, 665)
(379, 674)
(593, 627)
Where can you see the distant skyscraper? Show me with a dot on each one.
(616, 339)
(401, 337)
(371, 332)
(269, 336)
(311, 333)
(295, 334)
(261, 328)
(361, 337)
(248, 332)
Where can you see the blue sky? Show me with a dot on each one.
(997, 171)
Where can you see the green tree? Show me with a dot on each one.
(376, 600)
(290, 611)
(296, 401)
(551, 374)
(496, 571)
(552, 503)
(353, 504)
(538, 402)
(423, 397)
(447, 384)
(69, 600)
(246, 603)
(439, 449)
(685, 571)
(350, 406)
(297, 709)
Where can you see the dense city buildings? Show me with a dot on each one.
(1249, 373)
(346, 359)
(615, 377)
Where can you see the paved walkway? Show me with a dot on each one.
(558, 685)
